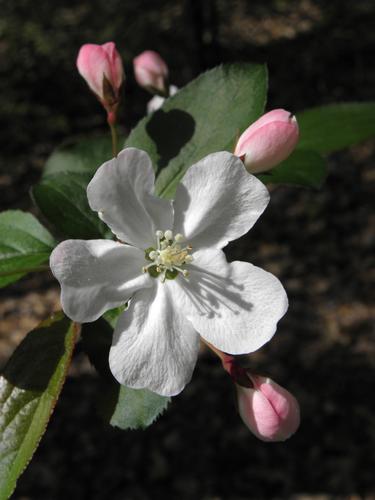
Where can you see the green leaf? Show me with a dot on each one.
(24, 245)
(29, 388)
(206, 116)
(128, 408)
(61, 194)
(337, 126)
(62, 199)
(303, 168)
(82, 156)
(121, 406)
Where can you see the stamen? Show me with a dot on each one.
(186, 249)
(184, 272)
(168, 258)
(159, 234)
(168, 235)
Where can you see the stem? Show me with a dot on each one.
(24, 271)
(226, 359)
(112, 126)
(239, 375)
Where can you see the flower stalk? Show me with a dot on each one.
(114, 137)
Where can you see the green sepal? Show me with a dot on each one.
(171, 275)
(152, 271)
(147, 253)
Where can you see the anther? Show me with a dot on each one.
(168, 258)
(168, 234)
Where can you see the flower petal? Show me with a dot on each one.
(276, 115)
(154, 346)
(115, 64)
(218, 201)
(96, 275)
(93, 65)
(122, 193)
(234, 306)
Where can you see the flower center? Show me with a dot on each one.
(169, 256)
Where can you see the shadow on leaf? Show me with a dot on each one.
(170, 131)
(36, 359)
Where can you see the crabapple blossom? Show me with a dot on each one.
(268, 141)
(101, 67)
(168, 265)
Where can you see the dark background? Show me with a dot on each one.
(317, 242)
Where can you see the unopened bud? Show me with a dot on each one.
(151, 72)
(268, 141)
(267, 409)
(101, 67)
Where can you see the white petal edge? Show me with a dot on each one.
(218, 201)
(154, 346)
(234, 307)
(122, 192)
(96, 275)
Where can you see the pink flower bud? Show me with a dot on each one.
(268, 141)
(151, 72)
(101, 67)
(268, 410)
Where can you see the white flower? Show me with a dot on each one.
(157, 101)
(171, 269)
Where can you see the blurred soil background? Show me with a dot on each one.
(317, 242)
